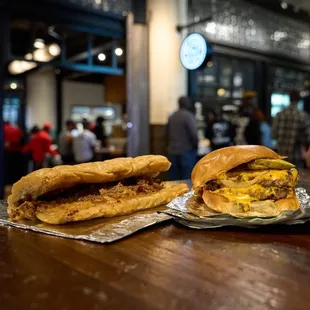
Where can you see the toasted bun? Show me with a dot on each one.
(47, 180)
(222, 160)
(220, 204)
(86, 210)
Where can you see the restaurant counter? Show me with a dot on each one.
(164, 267)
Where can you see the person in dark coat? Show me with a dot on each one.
(182, 141)
(99, 131)
(219, 131)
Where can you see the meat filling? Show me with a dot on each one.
(107, 191)
(111, 192)
(266, 187)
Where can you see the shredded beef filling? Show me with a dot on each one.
(108, 191)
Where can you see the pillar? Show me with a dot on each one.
(4, 50)
(137, 88)
(41, 98)
(167, 77)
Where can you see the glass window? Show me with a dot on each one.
(11, 109)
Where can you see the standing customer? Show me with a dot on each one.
(219, 131)
(291, 130)
(65, 143)
(84, 145)
(99, 131)
(182, 141)
(39, 146)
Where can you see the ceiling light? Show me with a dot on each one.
(118, 51)
(211, 27)
(42, 55)
(304, 44)
(39, 43)
(209, 64)
(98, 1)
(284, 5)
(54, 49)
(13, 85)
(28, 56)
(18, 67)
(101, 57)
(221, 92)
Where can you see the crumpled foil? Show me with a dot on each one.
(103, 230)
(178, 210)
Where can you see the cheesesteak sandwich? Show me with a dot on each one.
(244, 181)
(100, 189)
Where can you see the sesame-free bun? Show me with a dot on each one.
(225, 159)
(220, 204)
(47, 180)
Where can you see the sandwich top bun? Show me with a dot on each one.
(225, 159)
(48, 180)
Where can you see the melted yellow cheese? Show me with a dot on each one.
(242, 195)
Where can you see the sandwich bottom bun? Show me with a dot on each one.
(220, 204)
(60, 213)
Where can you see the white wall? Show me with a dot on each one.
(80, 94)
(168, 79)
(41, 98)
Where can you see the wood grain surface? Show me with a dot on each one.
(164, 267)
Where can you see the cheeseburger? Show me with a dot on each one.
(244, 181)
(100, 189)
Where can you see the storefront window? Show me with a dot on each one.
(226, 78)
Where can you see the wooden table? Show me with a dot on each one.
(164, 267)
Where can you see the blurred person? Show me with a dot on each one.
(13, 161)
(99, 131)
(252, 131)
(265, 129)
(39, 146)
(84, 145)
(65, 141)
(35, 129)
(291, 130)
(242, 120)
(219, 131)
(182, 141)
(47, 128)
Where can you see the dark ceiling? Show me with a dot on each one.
(24, 33)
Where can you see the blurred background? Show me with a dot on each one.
(90, 80)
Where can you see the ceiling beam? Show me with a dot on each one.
(96, 50)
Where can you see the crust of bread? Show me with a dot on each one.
(86, 210)
(220, 204)
(225, 159)
(47, 180)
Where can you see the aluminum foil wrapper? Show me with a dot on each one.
(178, 210)
(102, 230)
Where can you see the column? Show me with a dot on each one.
(137, 88)
(4, 49)
(168, 79)
(41, 98)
